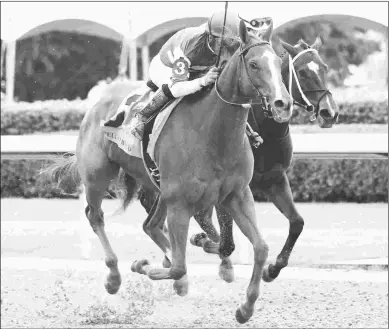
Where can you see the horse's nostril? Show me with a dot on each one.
(325, 113)
(279, 103)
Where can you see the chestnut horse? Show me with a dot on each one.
(204, 158)
(307, 81)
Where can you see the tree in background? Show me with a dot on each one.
(341, 47)
(58, 65)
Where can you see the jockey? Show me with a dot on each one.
(191, 50)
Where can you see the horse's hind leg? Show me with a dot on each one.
(226, 246)
(154, 225)
(281, 195)
(241, 207)
(96, 176)
(211, 242)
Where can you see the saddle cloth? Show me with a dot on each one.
(123, 137)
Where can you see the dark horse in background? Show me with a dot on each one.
(204, 158)
(271, 159)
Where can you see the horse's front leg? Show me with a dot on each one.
(241, 207)
(280, 194)
(178, 216)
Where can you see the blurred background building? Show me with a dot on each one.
(64, 50)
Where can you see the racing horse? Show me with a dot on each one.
(304, 73)
(204, 158)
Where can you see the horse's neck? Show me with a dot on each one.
(228, 123)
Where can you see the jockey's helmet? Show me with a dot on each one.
(216, 22)
(258, 25)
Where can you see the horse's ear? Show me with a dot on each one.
(289, 48)
(267, 34)
(276, 43)
(243, 32)
(317, 44)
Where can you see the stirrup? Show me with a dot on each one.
(138, 131)
(117, 121)
(155, 173)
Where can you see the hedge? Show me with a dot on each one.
(42, 116)
(366, 112)
(311, 180)
(50, 116)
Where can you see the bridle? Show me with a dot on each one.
(264, 103)
(308, 105)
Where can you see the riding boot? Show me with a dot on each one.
(116, 121)
(140, 118)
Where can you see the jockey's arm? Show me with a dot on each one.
(183, 88)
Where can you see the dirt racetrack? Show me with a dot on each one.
(300, 298)
(46, 283)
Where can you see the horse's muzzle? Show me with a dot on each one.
(281, 110)
(326, 120)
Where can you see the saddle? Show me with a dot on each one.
(123, 137)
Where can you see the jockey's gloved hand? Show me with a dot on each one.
(210, 77)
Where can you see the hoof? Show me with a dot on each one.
(181, 286)
(166, 263)
(266, 275)
(226, 274)
(138, 264)
(196, 238)
(112, 284)
(241, 316)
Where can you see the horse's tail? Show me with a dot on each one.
(126, 189)
(64, 173)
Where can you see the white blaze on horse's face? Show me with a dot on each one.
(312, 76)
(275, 73)
(313, 67)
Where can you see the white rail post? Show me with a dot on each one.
(145, 62)
(10, 71)
(242, 246)
(132, 52)
(123, 61)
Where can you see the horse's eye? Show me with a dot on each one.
(303, 74)
(254, 66)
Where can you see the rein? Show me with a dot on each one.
(292, 73)
(223, 31)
